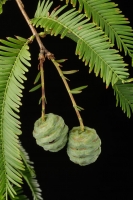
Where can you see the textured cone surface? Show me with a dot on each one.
(51, 134)
(83, 147)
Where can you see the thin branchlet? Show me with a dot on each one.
(43, 52)
(57, 65)
(41, 67)
(33, 30)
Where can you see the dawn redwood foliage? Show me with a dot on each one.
(100, 32)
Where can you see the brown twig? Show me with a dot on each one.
(43, 50)
(43, 53)
(42, 59)
(57, 65)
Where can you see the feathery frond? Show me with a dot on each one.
(92, 45)
(20, 195)
(29, 175)
(124, 96)
(14, 60)
(108, 16)
(1, 5)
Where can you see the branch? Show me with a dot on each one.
(43, 50)
(42, 59)
(68, 90)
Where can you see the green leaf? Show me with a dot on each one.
(70, 72)
(129, 80)
(79, 108)
(41, 100)
(75, 92)
(12, 71)
(1, 4)
(92, 47)
(30, 176)
(80, 88)
(108, 17)
(37, 77)
(61, 60)
(35, 88)
(66, 78)
(20, 195)
(124, 96)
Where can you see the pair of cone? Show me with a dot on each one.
(83, 148)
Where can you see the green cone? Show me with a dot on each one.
(83, 147)
(51, 134)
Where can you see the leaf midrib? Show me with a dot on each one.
(3, 108)
(56, 21)
(111, 27)
(128, 102)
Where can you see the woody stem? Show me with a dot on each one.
(42, 59)
(33, 30)
(70, 94)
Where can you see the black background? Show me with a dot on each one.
(110, 177)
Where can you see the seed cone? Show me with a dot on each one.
(84, 147)
(51, 134)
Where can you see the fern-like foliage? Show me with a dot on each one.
(14, 60)
(124, 96)
(92, 45)
(30, 176)
(1, 5)
(108, 16)
(20, 195)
